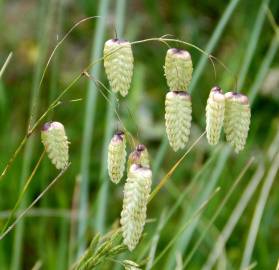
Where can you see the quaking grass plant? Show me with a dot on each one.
(106, 247)
(56, 144)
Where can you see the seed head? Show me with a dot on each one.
(136, 193)
(237, 119)
(130, 265)
(117, 157)
(178, 118)
(56, 143)
(215, 109)
(118, 62)
(178, 69)
(139, 156)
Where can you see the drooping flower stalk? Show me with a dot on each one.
(139, 156)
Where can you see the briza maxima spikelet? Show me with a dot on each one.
(139, 156)
(215, 109)
(118, 62)
(56, 144)
(237, 119)
(136, 194)
(178, 117)
(178, 69)
(130, 265)
(117, 156)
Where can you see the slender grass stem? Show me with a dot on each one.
(23, 213)
(23, 191)
(218, 211)
(208, 55)
(171, 171)
(111, 108)
(6, 63)
(258, 212)
(45, 22)
(195, 215)
(89, 119)
(234, 218)
(253, 41)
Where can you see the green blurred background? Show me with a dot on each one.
(84, 202)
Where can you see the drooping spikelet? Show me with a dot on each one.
(118, 62)
(237, 119)
(130, 265)
(140, 157)
(178, 69)
(178, 118)
(56, 144)
(136, 194)
(215, 109)
(117, 157)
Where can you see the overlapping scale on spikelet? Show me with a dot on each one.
(178, 117)
(136, 194)
(237, 119)
(56, 144)
(117, 157)
(215, 110)
(139, 156)
(178, 69)
(130, 265)
(119, 62)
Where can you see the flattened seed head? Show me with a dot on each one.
(216, 89)
(144, 171)
(242, 99)
(230, 95)
(119, 136)
(116, 41)
(140, 148)
(52, 125)
(181, 94)
(217, 94)
(179, 53)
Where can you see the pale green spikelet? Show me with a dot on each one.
(215, 110)
(139, 156)
(178, 69)
(237, 119)
(136, 194)
(119, 63)
(178, 117)
(130, 265)
(117, 156)
(56, 144)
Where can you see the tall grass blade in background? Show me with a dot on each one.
(44, 26)
(263, 70)
(234, 218)
(89, 119)
(252, 45)
(212, 181)
(111, 106)
(3, 68)
(259, 209)
(213, 42)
